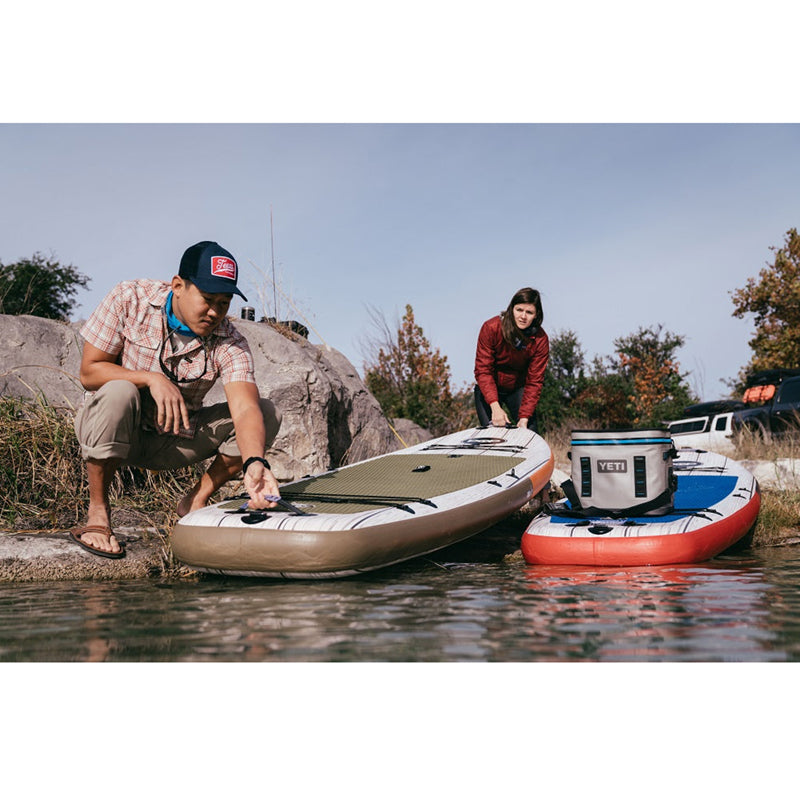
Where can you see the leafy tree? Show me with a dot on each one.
(642, 385)
(564, 379)
(604, 397)
(656, 388)
(411, 379)
(774, 299)
(39, 286)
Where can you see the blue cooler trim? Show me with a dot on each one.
(619, 441)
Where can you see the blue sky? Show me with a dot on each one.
(619, 225)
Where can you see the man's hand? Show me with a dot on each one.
(99, 367)
(248, 421)
(260, 483)
(171, 411)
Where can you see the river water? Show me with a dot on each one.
(308, 682)
(464, 604)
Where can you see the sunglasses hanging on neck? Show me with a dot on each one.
(169, 372)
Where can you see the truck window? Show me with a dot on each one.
(697, 425)
(789, 393)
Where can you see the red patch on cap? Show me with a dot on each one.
(223, 267)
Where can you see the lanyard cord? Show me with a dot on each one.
(165, 369)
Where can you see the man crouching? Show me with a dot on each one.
(152, 351)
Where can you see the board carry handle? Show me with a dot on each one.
(244, 509)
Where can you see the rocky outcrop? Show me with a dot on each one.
(329, 416)
(410, 433)
(34, 557)
(40, 357)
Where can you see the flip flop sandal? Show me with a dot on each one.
(76, 533)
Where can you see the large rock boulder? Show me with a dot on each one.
(410, 433)
(40, 357)
(329, 416)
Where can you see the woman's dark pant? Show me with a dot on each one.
(510, 400)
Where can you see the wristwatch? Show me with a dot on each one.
(251, 460)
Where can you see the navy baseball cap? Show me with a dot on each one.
(211, 268)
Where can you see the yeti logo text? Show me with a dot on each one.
(223, 267)
(612, 466)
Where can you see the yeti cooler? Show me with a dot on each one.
(625, 472)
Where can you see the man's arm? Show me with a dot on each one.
(99, 367)
(251, 437)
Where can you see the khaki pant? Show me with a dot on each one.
(109, 426)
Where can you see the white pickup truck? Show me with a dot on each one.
(707, 426)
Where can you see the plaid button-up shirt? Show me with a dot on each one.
(130, 323)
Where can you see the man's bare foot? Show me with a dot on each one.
(190, 502)
(221, 470)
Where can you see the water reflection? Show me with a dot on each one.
(735, 608)
(707, 612)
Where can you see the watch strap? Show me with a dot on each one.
(250, 460)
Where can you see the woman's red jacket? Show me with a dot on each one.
(499, 366)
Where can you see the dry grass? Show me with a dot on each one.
(43, 481)
(751, 446)
(779, 519)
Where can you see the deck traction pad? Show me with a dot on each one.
(395, 476)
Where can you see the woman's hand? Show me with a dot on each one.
(523, 423)
(499, 417)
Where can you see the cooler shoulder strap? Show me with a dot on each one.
(662, 501)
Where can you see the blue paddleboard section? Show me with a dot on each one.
(693, 492)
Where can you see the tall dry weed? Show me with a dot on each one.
(43, 480)
(754, 446)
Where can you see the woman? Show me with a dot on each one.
(510, 361)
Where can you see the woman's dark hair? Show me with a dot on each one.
(511, 333)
